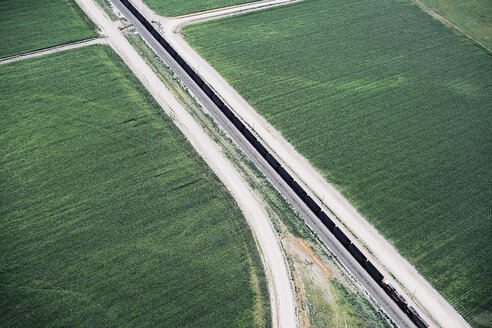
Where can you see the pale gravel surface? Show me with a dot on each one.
(417, 290)
(52, 50)
(282, 300)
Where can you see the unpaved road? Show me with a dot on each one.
(52, 50)
(209, 14)
(282, 299)
(423, 296)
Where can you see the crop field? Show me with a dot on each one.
(28, 25)
(171, 8)
(393, 108)
(109, 217)
(474, 17)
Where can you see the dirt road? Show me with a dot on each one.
(415, 287)
(52, 50)
(283, 305)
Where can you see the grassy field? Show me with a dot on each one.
(393, 107)
(171, 8)
(28, 25)
(474, 17)
(109, 217)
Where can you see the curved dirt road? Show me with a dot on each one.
(423, 296)
(282, 300)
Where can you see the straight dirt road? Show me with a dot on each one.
(52, 50)
(284, 311)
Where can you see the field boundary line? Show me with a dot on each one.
(206, 15)
(236, 9)
(434, 14)
(55, 49)
(211, 10)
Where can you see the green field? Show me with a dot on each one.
(171, 8)
(27, 25)
(393, 107)
(474, 17)
(109, 218)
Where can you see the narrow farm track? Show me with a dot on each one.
(282, 299)
(415, 288)
(445, 21)
(52, 50)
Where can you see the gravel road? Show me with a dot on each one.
(52, 50)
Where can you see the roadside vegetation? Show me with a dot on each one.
(171, 8)
(28, 25)
(393, 107)
(474, 17)
(109, 216)
(326, 297)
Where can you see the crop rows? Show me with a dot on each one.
(392, 107)
(109, 217)
(28, 25)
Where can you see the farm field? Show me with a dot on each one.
(393, 107)
(171, 8)
(474, 17)
(109, 216)
(28, 25)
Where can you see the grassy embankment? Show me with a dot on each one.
(474, 17)
(393, 107)
(109, 217)
(171, 8)
(28, 25)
